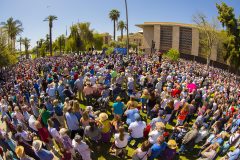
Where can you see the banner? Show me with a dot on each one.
(122, 51)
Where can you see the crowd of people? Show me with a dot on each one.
(72, 107)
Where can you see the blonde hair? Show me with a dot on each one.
(75, 106)
(185, 107)
(85, 115)
(55, 102)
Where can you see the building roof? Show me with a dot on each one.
(165, 24)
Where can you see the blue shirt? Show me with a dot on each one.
(118, 108)
(130, 115)
(72, 121)
(44, 154)
(157, 150)
(234, 155)
(59, 110)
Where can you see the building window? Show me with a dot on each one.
(166, 38)
(185, 40)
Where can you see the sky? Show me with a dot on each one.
(32, 13)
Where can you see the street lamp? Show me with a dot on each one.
(127, 27)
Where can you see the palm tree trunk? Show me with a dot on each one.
(20, 46)
(121, 34)
(50, 36)
(127, 26)
(114, 29)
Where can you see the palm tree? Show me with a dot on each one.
(114, 15)
(121, 27)
(20, 42)
(50, 19)
(12, 28)
(26, 43)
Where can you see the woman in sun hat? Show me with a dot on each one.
(170, 151)
(154, 134)
(43, 154)
(105, 124)
(21, 153)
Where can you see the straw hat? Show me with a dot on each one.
(118, 98)
(63, 131)
(172, 144)
(37, 145)
(159, 125)
(103, 116)
(19, 151)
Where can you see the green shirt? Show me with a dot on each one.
(113, 74)
(45, 116)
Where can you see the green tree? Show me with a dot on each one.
(209, 31)
(75, 42)
(114, 15)
(232, 44)
(86, 34)
(50, 20)
(121, 27)
(97, 41)
(173, 54)
(6, 56)
(12, 28)
(60, 43)
(26, 43)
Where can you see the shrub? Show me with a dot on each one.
(173, 54)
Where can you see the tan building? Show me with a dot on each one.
(136, 38)
(106, 38)
(167, 35)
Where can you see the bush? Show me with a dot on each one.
(109, 50)
(173, 54)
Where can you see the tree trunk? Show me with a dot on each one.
(50, 36)
(114, 30)
(20, 46)
(208, 62)
(121, 34)
(127, 27)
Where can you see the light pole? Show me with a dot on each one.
(127, 27)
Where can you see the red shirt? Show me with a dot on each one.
(43, 133)
(175, 92)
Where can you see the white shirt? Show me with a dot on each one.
(153, 135)
(137, 128)
(201, 135)
(119, 143)
(83, 149)
(31, 122)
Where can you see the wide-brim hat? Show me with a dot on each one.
(172, 144)
(19, 151)
(159, 125)
(37, 145)
(103, 116)
(118, 98)
(63, 131)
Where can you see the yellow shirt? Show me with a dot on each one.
(105, 126)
